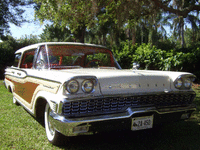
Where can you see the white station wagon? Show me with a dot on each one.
(81, 89)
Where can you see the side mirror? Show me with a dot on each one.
(40, 64)
(136, 66)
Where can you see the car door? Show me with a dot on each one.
(23, 86)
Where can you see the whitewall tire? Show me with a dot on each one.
(15, 101)
(53, 136)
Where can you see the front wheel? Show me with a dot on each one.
(53, 136)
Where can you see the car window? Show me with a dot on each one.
(73, 56)
(42, 60)
(98, 59)
(17, 59)
(63, 60)
(27, 59)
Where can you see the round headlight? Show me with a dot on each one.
(178, 83)
(72, 86)
(87, 86)
(187, 83)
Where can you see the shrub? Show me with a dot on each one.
(173, 62)
(149, 57)
(191, 62)
(124, 53)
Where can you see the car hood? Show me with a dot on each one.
(126, 81)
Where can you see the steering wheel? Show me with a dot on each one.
(93, 63)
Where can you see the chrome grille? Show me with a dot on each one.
(108, 105)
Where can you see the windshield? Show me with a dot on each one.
(73, 56)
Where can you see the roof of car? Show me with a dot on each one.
(55, 43)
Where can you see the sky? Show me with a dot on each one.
(34, 27)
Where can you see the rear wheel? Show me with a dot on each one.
(15, 101)
(53, 136)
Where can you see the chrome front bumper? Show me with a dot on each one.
(83, 125)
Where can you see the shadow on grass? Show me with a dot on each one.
(183, 135)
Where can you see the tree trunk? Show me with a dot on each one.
(104, 39)
(133, 38)
(80, 33)
(182, 33)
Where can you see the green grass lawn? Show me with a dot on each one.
(19, 130)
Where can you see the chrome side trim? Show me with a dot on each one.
(31, 76)
(26, 108)
(66, 125)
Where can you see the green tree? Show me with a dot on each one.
(11, 12)
(75, 14)
(177, 7)
(26, 40)
(180, 12)
(79, 15)
(56, 34)
(179, 26)
(9, 45)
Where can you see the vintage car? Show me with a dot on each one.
(80, 89)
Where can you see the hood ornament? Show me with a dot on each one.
(136, 66)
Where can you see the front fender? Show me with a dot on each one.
(54, 100)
